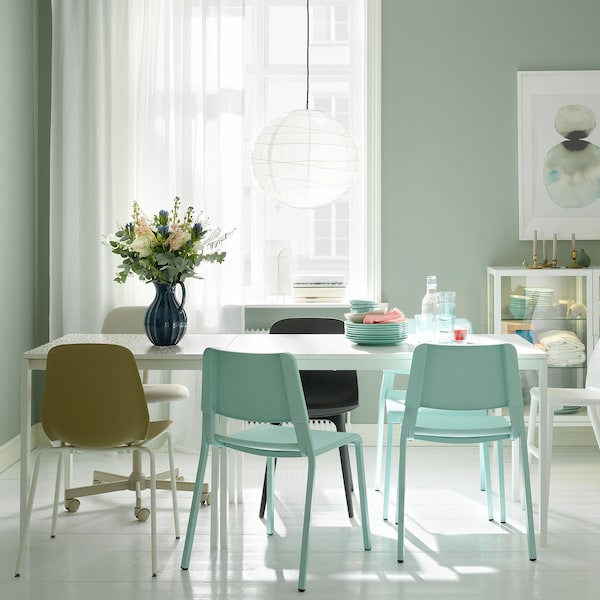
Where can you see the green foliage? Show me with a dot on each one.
(167, 248)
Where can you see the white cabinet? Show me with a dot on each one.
(544, 305)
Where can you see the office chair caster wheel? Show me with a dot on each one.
(72, 504)
(141, 514)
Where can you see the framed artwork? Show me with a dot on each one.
(559, 154)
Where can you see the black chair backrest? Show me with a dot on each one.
(327, 393)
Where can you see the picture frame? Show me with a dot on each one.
(559, 167)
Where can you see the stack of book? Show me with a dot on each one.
(319, 288)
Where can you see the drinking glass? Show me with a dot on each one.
(446, 316)
(460, 333)
(424, 327)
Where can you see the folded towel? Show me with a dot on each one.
(394, 315)
(566, 361)
(557, 338)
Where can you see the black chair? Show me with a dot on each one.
(329, 395)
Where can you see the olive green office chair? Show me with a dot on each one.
(94, 401)
(437, 384)
(130, 319)
(266, 389)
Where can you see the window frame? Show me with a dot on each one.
(370, 176)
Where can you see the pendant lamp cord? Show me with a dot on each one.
(307, 51)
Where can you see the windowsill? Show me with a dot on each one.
(296, 304)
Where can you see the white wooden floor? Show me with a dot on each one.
(453, 551)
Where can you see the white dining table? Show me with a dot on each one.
(312, 351)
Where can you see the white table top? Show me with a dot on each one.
(187, 354)
(312, 351)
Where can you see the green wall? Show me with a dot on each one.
(449, 142)
(449, 139)
(449, 153)
(17, 203)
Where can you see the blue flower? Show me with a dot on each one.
(163, 217)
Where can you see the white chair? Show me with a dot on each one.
(588, 396)
(130, 319)
(94, 401)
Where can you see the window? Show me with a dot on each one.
(341, 238)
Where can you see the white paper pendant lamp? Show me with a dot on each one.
(304, 159)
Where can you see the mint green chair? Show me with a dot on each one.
(266, 388)
(391, 405)
(391, 399)
(438, 383)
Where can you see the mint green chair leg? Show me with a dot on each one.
(400, 501)
(481, 469)
(196, 498)
(501, 491)
(484, 469)
(388, 463)
(310, 480)
(270, 495)
(387, 383)
(488, 480)
(364, 507)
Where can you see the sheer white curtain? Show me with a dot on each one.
(147, 104)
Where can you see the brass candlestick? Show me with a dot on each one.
(573, 264)
(535, 264)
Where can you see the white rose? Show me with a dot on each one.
(142, 245)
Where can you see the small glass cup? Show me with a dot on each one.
(424, 327)
(460, 333)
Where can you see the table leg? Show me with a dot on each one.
(25, 438)
(380, 427)
(545, 452)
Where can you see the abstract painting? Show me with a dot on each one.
(559, 154)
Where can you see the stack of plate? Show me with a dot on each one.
(363, 306)
(542, 300)
(519, 306)
(376, 334)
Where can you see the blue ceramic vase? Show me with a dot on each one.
(165, 321)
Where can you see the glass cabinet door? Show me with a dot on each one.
(550, 308)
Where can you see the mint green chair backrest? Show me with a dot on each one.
(465, 378)
(265, 388)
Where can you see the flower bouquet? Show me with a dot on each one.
(166, 250)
